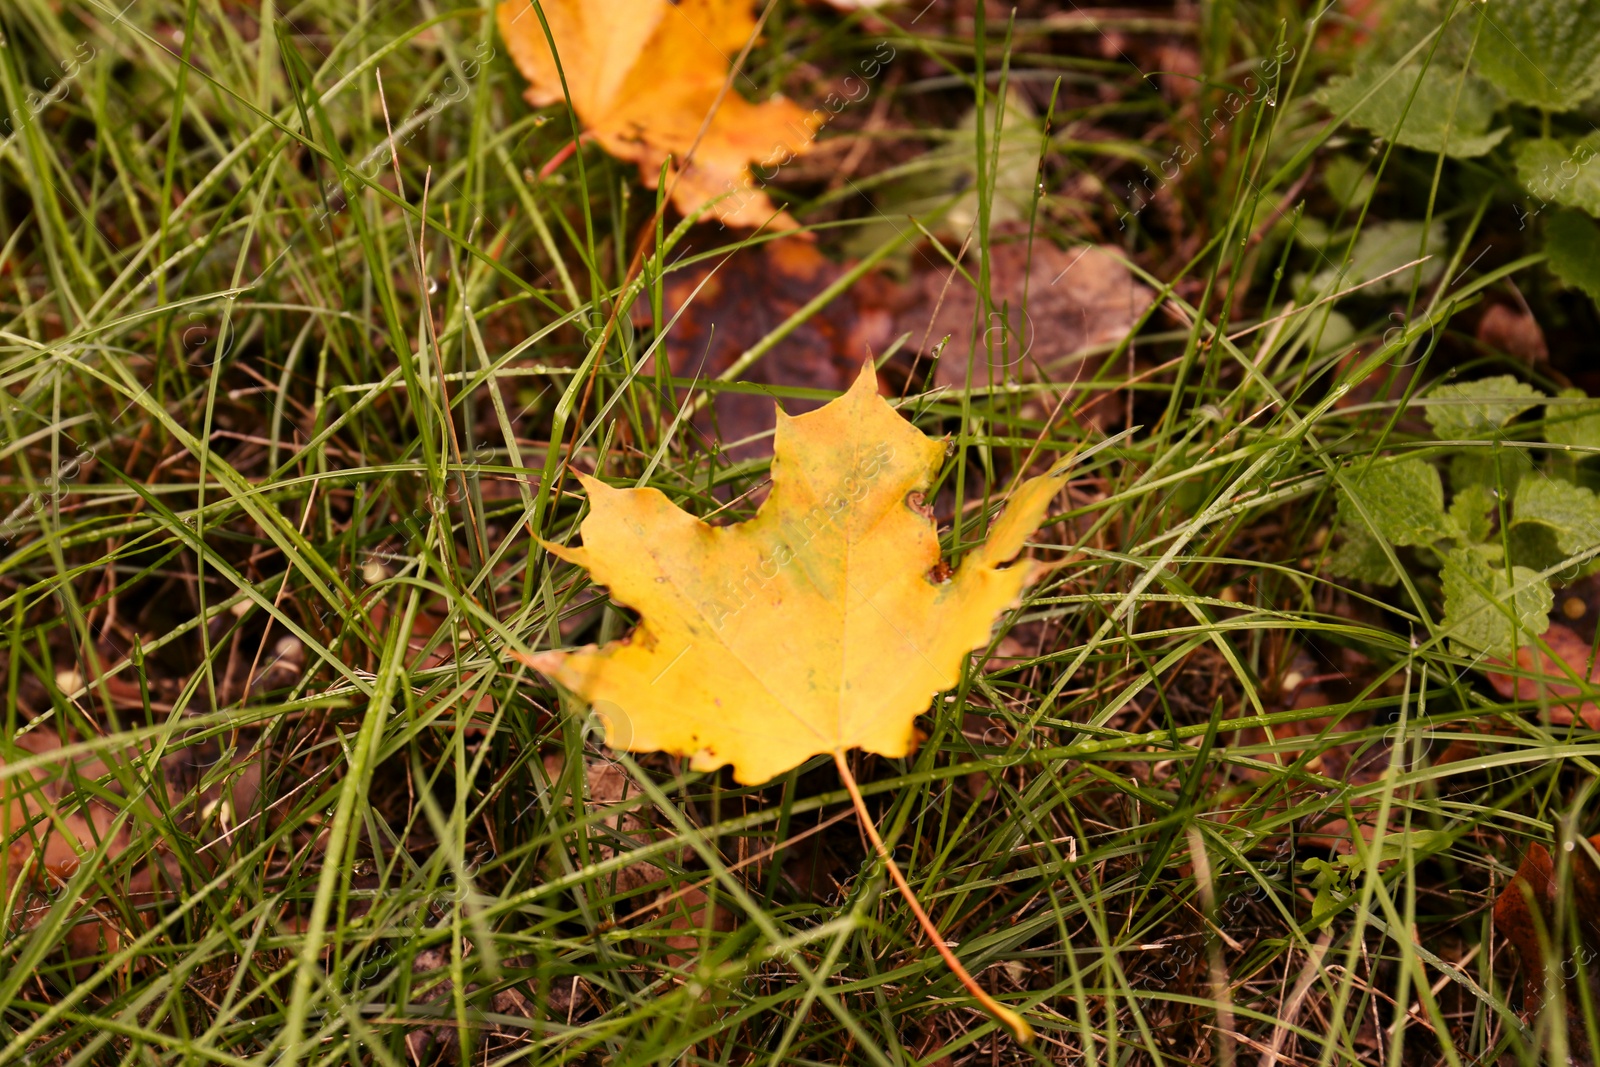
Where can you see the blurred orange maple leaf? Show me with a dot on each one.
(650, 79)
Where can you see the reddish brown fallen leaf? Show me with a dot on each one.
(1514, 332)
(744, 299)
(1544, 677)
(1182, 73)
(443, 1038)
(47, 828)
(1531, 889)
(1053, 307)
(1527, 904)
(606, 785)
(609, 785)
(1465, 748)
(691, 911)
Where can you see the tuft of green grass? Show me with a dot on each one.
(289, 399)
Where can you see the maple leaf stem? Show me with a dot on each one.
(1019, 1026)
(561, 156)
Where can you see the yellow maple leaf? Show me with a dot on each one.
(645, 76)
(815, 627)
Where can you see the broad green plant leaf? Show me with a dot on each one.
(1360, 556)
(1348, 181)
(1487, 611)
(1331, 886)
(1574, 422)
(1543, 53)
(1470, 510)
(1572, 241)
(817, 626)
(1436, 110)
(1333, 880)
(1497, 469)
(1475, 408)
(1566, 173)
(1403, 500)
(1571, 511)
(1382, 249)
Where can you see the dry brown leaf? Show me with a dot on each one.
(1544, 677)
(738, 302)
(1533, 890)
(443, 1038)
(1533, 887)
(609, 785)
(47, 827)
(1514, 332)
(650, 80)
(1052, 307)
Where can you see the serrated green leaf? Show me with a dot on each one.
(1331, 884)
(1360, 556)
(1396, 843)
(1403, 500)
(1533, 545)
(1487, 611)
(1335, 332)
(1561, 172)
(1497, 469)
(1544, 53)
(1385, 247)
(1443, 114)
(1571, 511)
(1470, 511)
(1574, 422)
(1572, 241)
(1348, 181)
(1469, 409)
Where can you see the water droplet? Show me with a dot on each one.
(433, 286)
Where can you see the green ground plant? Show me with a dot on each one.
(306, 319)
(1504, 90)
(1511, 527)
